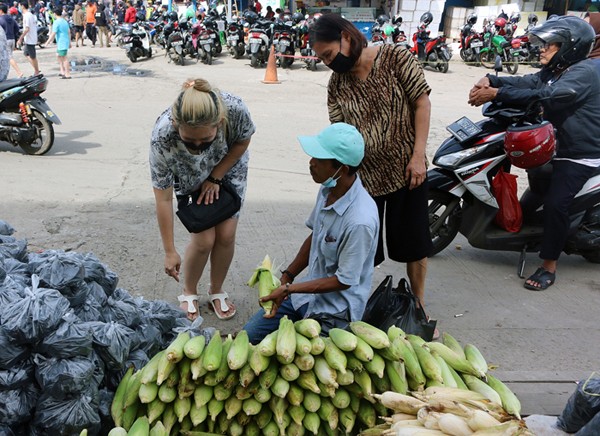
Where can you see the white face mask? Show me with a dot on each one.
(331, 182)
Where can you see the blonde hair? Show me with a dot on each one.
(199, 104)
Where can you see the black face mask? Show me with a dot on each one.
(341, 63)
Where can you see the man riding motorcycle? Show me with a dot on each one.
(564, 43)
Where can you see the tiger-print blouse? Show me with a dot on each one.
(380, 107)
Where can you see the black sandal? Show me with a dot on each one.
(542, 277)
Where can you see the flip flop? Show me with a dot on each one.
(542, 277)
(189, 299)
(224, 306)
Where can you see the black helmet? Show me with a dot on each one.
(515, 17)
(250, 16)
(382, 19)
(397, 19)
(140, 16)
(503, 15)
(575, 36)
(426, 18)
(172, 16)
(472, 19)
(532, 19)
(297, 17)
(286, 17)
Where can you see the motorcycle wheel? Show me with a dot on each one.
(512, 67)
(447, 231)
(312, 65)
(44, 137)
(463, 56)
(208, 59)
(442, 66)
(179, 59)
(150, 52)
(219, 48)
(239, 53)
(592, 256)
(487, 59)
(132, 56)
(254, 61)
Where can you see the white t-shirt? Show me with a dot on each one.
(30, 21)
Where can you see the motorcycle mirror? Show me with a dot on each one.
(498, 65)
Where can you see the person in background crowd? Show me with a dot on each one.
(4, 56)
(29, 37)
(150, 10)
(594, 19)
(90, 21)
(203, 141)
(120, 12)
(11, 29)
(62, 33)
(270, 14)
(382, 91)
(102, 25)
(340, 249)
(258, 7)
(130, 13)
(78, 24)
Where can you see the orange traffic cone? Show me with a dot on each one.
(271, 73)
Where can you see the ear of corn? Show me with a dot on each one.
(304, 362)
(166, 394)
(341, 399)
(335, 357)
(454, 360)
(343, 339)
(446, 374)
(325, 373)
(311, 402)
(509, 400)
(197, 368)
(347, 418)
(155, 409)
(455, 425)
(150, 371)
(371, 335)
(345, 379)
(295, 395)
(303, 345)
(194, 347)
(175, 350)
(148, 392)
(141, 427)
(280, 387)
(286, 340)
(427, 362)
(265, 277)
(366, 414)
(262, 395)
(476, 385)
(329, 413)
(308, 381)
(158, 430)
(460, 383)
(317, 346)
(449, 341)
(258, 362)
(400, 403)
(213, 353)
(475, 358)
(133, 389)
(289, 372)
(130, 415)
(181, 407)
(397, 376)
(238, 352)
(308, 327)
(376, 366)
(297, 413)
(116, 408)
(221, 393)
(202, 395)
(267, 378)
(268, 346)
(363, 351)
(312, 422)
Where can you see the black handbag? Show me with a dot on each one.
(389, 306)
(199, 217)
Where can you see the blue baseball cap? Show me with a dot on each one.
(339, 141)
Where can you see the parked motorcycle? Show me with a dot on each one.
(26, 120)
(174, 43)
(43, 32)
(311, 60)
(460, 192)
(210, 23)
(137, 43)
(432, 52)
(284, 38)
(235, 39)
(470, 42)
(205, 44)
(259, 42)
(495, 43)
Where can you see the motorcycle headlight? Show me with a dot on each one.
(452, 160)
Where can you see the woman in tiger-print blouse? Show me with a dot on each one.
(382, 91)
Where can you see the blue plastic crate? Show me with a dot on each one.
(364, 27)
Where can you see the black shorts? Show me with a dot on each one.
(406, 225)
(78, 29)
(29, 50)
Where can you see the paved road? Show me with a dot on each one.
(92, 193)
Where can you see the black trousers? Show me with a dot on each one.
(567, 180)
(90, 30)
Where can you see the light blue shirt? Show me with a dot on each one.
(344, 241)
(63, 33)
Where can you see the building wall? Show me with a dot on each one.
(411, 11)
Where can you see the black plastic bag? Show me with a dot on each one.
(11, 352)
(68, 416)
(97, 293)
(61, 271)
(162, 315)
(583, 405)
(148, 338)
(329, 321)
(18, 271)
(36, 315)
(16, 406)
(16, 250)
(99, 369)
(89, 311)
(112, 342)
(592, 428)
(70, 339)
(137, 359)
(60, 377)
(5, 430)
(98, 272)
(6, 229)
(123, 311)
(17, 376)
(105, 401)
(2, 273)
(10, 292)
(389, 306)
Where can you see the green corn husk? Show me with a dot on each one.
(258, 363)
(363, 351)
(181, 407)
(354, 364)
(460, 383)
(264, 417)
(449, 341)
(354, 403)
(303, 344)
(251, 407)
(271, 429)
(280, 387)
(311, 402)
(251, 429)
(213, 353)
(237, 355)
(279, 406)
(263, 395)
(367, 414)
(326, 390)
(308, 327)
(286, 340)
(231, 381)
(334, 356)
(381, 384)
(325, 373)
(223, 370)
(221, 393)
(194, 347)
(197, 368)
(198, 414)
(244, 419)
(235, 429)
(246, 375)
(158, 430)
(304, 362)
(289, 372)
(148, 392)
(297, 413)
(214, 408)
(150, 370)
(343, 339)
(347, 419)
(168, 418)
(267, 377)
(328, 413)
(312, 422)
(232, 406)
(363, 380)
(295, 395)
(345, 379)
(317, 346)
(308, 381)
(174, 351)
(186, 386)
(396, 373)
(202, 395)
(268, 346)
(167, 394)
(395, 332)
(376, 366)
(341, 399)
(295, 429)
(264, 275)
(129, 415)
(155, 409)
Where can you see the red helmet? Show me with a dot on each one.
(13, 11)
(500, 22)
(530, 146)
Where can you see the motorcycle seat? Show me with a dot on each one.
(11, 83)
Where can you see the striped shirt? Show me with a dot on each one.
(380, 107)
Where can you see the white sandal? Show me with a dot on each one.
(224, 306)
(189, 299)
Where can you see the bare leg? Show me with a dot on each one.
(35, 65)
(417, 271)
(220, 260)
(194, 262)
(61, 65)
(65, 67)
(15, 67)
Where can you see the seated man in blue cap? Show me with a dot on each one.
(339, 253)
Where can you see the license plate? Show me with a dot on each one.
(213, 36)
(205, 37)
(255, 40)
(284, 42)
(178, 43)
(233, 38)
(476, 44)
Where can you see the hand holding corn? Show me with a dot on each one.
(276, 297)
